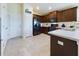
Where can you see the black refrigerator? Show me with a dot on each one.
(36, 26)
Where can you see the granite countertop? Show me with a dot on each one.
(73, 35)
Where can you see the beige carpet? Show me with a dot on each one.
(32, 46)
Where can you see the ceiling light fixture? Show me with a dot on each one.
(50, 8)
(37, 8)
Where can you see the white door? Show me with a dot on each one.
(15, 20)
(4, 22)
(4, 26)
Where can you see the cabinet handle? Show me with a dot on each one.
(60, 43)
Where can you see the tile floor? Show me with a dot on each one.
(32, 46)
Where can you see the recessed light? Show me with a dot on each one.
(37, 8)
(50, 8)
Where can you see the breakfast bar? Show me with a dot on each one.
(64, 42)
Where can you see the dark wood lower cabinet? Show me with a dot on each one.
(63, 47)
(44, 30)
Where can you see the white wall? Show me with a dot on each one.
(78, 12)
(27, 21)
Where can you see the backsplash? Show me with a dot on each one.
(77, 24)
(45, 24)
(67, 24)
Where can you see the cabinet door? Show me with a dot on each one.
(44, 30)
(60, 16)
(42, 18)
(63, 47)
(4, 22)
(70, 47)
(56, 49)
(69, 15)
(52, 14)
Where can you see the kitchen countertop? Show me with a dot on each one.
(73, 35)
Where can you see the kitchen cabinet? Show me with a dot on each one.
(41, 18)
(52, 14)
(63, 47)
(44, 30)
(48, 17)
(60, 16)
(67, 15)
(70, 14)
(47, 29)
(44, 18)
(36, 16)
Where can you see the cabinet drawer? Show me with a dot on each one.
(63, 40)
(56, 47)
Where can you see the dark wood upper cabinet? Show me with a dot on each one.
(60, 16)
(48, 17)
(52, 15)
(40, 18)
(70, 14)
(36, 16)
(67, 15)
(44, 18)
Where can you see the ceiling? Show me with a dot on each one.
(44, 7)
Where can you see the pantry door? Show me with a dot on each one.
(4, 22)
